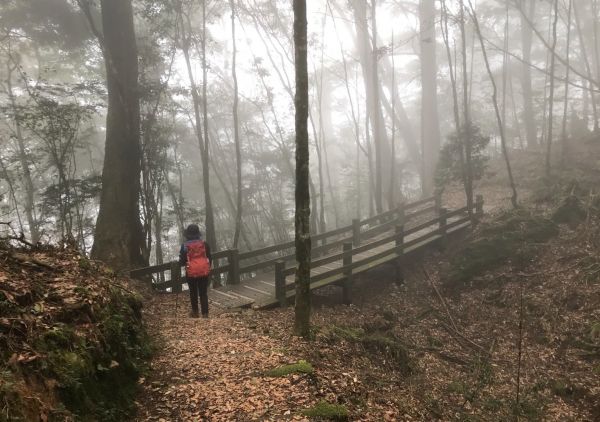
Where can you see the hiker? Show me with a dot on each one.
(195, 255)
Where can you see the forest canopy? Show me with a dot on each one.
(394, 87)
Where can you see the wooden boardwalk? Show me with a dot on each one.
(265, 277)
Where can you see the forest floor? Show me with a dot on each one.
(429, 349)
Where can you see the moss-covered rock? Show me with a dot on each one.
(327, 411)
(301, 367)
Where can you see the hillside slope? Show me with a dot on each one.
(72, 344)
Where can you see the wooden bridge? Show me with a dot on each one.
(265, 277)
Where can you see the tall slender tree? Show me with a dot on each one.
(526, 81)
(551, 99)
(211, 233)
(467, 113)
(430, 124)
(499, 118)
(303, 239)
(236, 130)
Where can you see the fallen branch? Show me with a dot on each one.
(21, 239)
(26, 259)
(454, 329)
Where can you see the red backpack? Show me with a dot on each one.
(198, 264)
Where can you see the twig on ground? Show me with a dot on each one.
(454, 329)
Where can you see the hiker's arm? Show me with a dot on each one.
(182, 255)
(208, 254)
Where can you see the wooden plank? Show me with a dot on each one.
(258, 290)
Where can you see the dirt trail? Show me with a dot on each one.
(214, 369)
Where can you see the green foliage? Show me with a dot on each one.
(451, 166)
(96, 373)
(327, 411)
(302, 367)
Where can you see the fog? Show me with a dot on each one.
(401, 106)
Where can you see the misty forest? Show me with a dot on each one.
(268, 210)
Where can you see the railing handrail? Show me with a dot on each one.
(387, 218)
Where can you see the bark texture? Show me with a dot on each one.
(118, 237)
(303, 240)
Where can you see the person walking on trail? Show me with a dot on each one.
(195, 255)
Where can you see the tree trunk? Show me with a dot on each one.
(528, 113)
(303, 240)
(24, 161)
(467, 114)
(369, 64)
(378, 123)
(501, 127)
(211, 236)
(551, 97)
(588, 68)
(236, 132)
(564, 137)
(430, 124)
(118, 236)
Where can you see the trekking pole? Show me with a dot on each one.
(176, 283)
(176, 305)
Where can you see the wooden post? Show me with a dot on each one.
(176, 277)
(479, 206)
(401, 214)
(400, 252)
(443, 230)
(280, 292)
(233, 257)
(356, 232)
(347, 283)
(438, 201)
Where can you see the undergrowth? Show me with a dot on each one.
(83, 349)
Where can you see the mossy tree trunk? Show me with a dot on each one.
(118, 237)
(303, 240)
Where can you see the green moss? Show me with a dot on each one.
(492, 404)
(346, 333)
(85, 263)
(565, 389)
(97, 376)
(595, 332)
(302, 367)
(327, 411)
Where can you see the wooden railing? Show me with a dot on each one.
(236, 265)
(440, 226)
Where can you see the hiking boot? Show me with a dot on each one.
(194, 314)
(205, 316)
